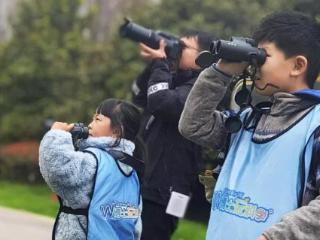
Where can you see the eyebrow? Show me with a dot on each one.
(100, 115)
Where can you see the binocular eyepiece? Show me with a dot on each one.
(152, 38)
(238, 49)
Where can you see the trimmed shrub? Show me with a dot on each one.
(19, 162)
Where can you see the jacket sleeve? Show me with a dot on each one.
(63, 168)
(302, 223)
(140, 86)
(200, 121)
(165, 101)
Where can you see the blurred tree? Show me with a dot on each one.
(50, 68)
(107, 12)
(53, 67)
(223, 18)
(311, 7)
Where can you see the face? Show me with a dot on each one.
(189, 53)
(279, 73)
(100, 126)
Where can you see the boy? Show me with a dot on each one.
(172, 160)
(268, 161)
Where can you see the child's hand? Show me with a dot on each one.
(62, 126)
(150, 53)
(231, 68)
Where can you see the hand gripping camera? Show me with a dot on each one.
(238, 49)
(152, 38)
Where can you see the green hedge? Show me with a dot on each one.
(20, 169)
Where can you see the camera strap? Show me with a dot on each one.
(133, 162)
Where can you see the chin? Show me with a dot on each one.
(266, 92)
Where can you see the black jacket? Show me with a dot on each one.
(172, 160)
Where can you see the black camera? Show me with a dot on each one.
(238, 49)
(79, 131)
(152, 38)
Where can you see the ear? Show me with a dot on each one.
(300, 64)
(117, 132)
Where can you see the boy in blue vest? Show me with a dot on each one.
(268, 188)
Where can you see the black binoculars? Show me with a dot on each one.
(79, 131)
(238, 49)
(152, 38)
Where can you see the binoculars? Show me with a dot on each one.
(238, 49)
(79, 131)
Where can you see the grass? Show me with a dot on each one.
(188, 230)
(32, 198)
(39, 199)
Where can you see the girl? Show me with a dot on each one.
(99, 196)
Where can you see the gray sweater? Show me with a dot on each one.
(70, 174)
(203, 124)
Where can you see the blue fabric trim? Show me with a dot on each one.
(308, 93)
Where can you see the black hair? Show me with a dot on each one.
(204, 39)
(295, 34)
(125, 122)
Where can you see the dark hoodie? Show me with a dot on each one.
(172, 160)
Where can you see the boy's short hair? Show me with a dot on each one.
(295, 34)
(204, 38)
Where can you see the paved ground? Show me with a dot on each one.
(18, 225)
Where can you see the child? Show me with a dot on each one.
(261, 187)
(99, 196)
(172, 160)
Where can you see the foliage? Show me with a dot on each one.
(52, 68)
(20, 169)
(19, 162)
(188, 230)
(223, 18)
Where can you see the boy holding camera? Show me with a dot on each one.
(268, 187)
(171, 165)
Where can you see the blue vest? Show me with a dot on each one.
(114, 208)
(260, 182)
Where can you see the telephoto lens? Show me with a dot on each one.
(152, 38)
(139, 33)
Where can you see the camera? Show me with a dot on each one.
(79, 131)
(152, 38)
(238, 49)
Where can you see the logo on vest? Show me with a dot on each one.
(233, 202)
(119, 210)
